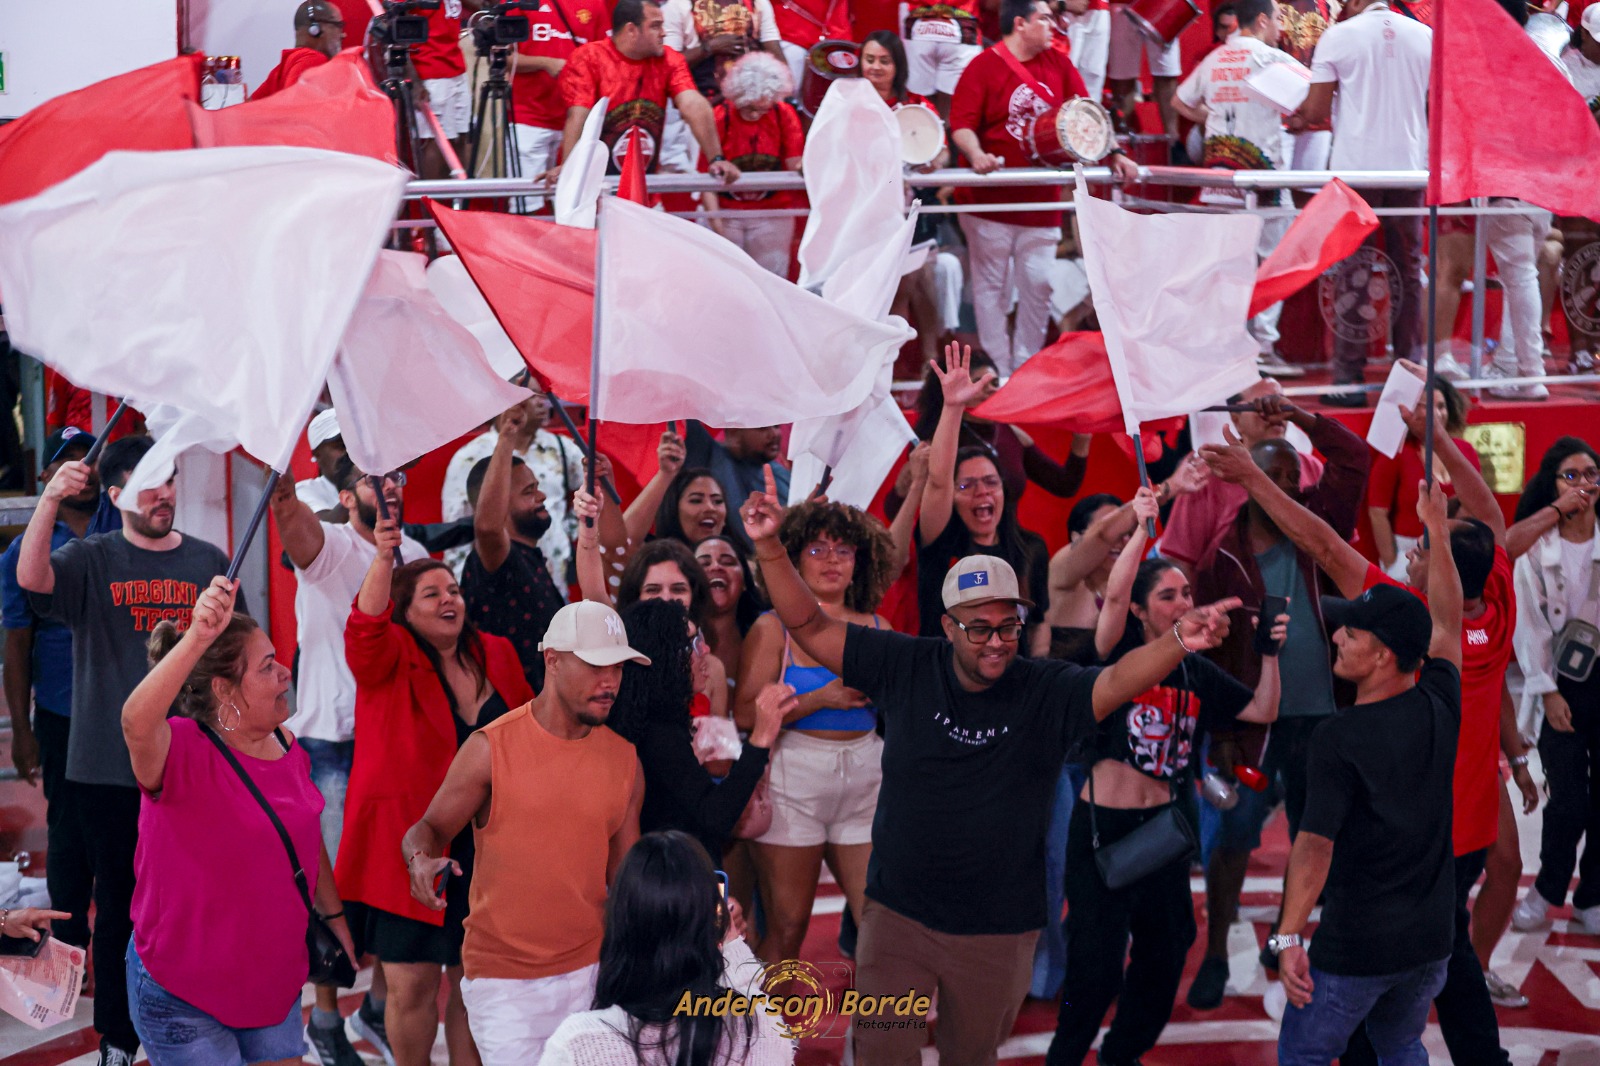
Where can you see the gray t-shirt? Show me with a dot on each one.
(1304, 655)
(112, 594)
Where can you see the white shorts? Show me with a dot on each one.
(1090, 37)
(936, 66)
(795, 56)
(824, 791)
(1308, 149)
(537, 149)
(680, 152)
(1127, 42)
(451, 101)
(512, 1019)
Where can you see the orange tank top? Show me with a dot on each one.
(539, 880)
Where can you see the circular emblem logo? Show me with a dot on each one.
(1361, 296)
(1580, 288)
(807, 1001)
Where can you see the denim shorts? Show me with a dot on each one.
(330, 773)
(176, 1033)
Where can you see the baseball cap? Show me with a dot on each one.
(1591, 20)
(979, 579)
(324, 427)
(59, 439)
(1392, 614)
(593, 632)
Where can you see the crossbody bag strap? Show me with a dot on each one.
(283, 834)
(1028, 79)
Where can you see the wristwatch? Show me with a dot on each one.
(1518, 761)
(1278, 942)
(724, 159)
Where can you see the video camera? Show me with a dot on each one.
(400, 24)
(498, 27)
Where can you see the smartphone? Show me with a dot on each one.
(441, 880)
(722, 885)
(1271, 608)
(22, 947)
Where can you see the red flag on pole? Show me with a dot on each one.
(1067, 385)
(142, 110)
(1332, 226)
(538, 277)
(632, 185)
(335, 106)
(1537, 140)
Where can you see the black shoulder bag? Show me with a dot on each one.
(330, 964)
(1166, 838)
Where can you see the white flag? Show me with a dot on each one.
(409, 378)
(216, 281)
(453, 287)
(583, 173)
(855, 180)
(716, 337)
(1171, 292)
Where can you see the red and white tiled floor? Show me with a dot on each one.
(1557, 968)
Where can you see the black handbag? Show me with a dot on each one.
(1167, 838)
(330, 964)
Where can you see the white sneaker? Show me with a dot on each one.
(1276, 366)
(1445, 365)
(1589, 918)
(1495, 371)
(1582, 362)
(1503, 992)
(1532, 913)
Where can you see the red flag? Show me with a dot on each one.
(1537, 139)
(539, 280)
(632, 186)
(1068, 385)
(142, 110)
(335, 106)
(1332, 226)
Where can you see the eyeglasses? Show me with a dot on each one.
(843, 553)
(972, 484)
(979, 633)
(396, 476)
(1591, 475)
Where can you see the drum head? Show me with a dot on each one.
(1084, 128)
(921, 135)
(834, 59)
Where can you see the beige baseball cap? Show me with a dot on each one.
(981, 579)
(593, 632)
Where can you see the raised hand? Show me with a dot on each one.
(1432, 507)
(587, 510)
(1229, 462)
(762, 513)
(1190, 476)
(70, 478)
(955, 377)
(670, 453)
(1145, 507)
(212, 610)
(386, 535)
(917, 462)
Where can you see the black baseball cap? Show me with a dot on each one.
(61, 438)
(1396, 616)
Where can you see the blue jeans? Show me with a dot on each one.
(1050, 957)
(330, 772)
(176, 1033)
(1394, 1006)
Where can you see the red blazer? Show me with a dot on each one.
(407, 741)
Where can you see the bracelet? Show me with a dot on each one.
(1518, 762)
(1560, 514)
(331, 917)
(1179, 638)
(771, 558)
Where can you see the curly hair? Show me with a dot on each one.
(223, 660)
(659, 693)
(874, 571)
(757, 79)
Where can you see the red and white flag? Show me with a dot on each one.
(1332, 226)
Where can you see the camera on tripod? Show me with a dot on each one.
(400, 24)
(498, 27)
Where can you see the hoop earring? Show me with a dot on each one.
(237, 715)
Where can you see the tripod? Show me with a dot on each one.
(493, 112)
(396, 85)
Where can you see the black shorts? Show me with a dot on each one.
(396, 938)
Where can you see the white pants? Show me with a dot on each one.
(795, 56)
(679, 152)
(936, 66)
(1003, 256)
(1264, 326)
(1090, 37)
(1122, 63)
(768, 241)
(451, 100)
(1515, 240)
(511, 1019)
(537, 149)
(1402, 556)
(948, 282)
(1308, 149)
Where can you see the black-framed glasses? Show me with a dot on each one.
(1591, 475)
(981, 633)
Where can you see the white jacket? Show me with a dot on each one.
(1541, 587)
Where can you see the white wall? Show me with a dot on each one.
(257, 31)
(52, 49)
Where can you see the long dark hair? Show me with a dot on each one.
(668, 524)
(631, 583)
(750, 603)
(930, 401)
(1020, 547)
(889, 41)
(658, 693)
(469, 645)
(1540, 491)
(664, 929)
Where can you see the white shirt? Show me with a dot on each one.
(318, 494)
(1241, 131)
(557, 463)
(1380, 60)
(682, 35)
(1585, 75)
(325, 692)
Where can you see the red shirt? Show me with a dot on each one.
(294, 65)
(765, 144)
(805, 22)
(637, 90)
(559, 27)
(440, 55)
(1485, 654)
(993, 102)
(1392, 485)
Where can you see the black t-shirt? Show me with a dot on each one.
(1030, 559)
(1378, 786)
(1157, 733)
(968, 780)
(517, 602)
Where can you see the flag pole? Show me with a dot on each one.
(99, 442)
(255, 523)
(594, 342)
(1433, 326)
(572, 428)
(383, 510)
(1144, 477)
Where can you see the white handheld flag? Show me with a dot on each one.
(583, 173)
(456, 292)
(855, 180)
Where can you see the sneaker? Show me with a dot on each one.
(1582, 362)
(1532, 913)
(1496, 372)
(1503, 992)
(332, 1046)
(1445, 366)
(368, 1025)
(111, 1055)
(1210, 984)
(1276, 366)
(1588, 918)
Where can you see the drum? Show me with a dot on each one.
(921, 134)
(1078, 131)
(1162, 20)
(827, 62)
